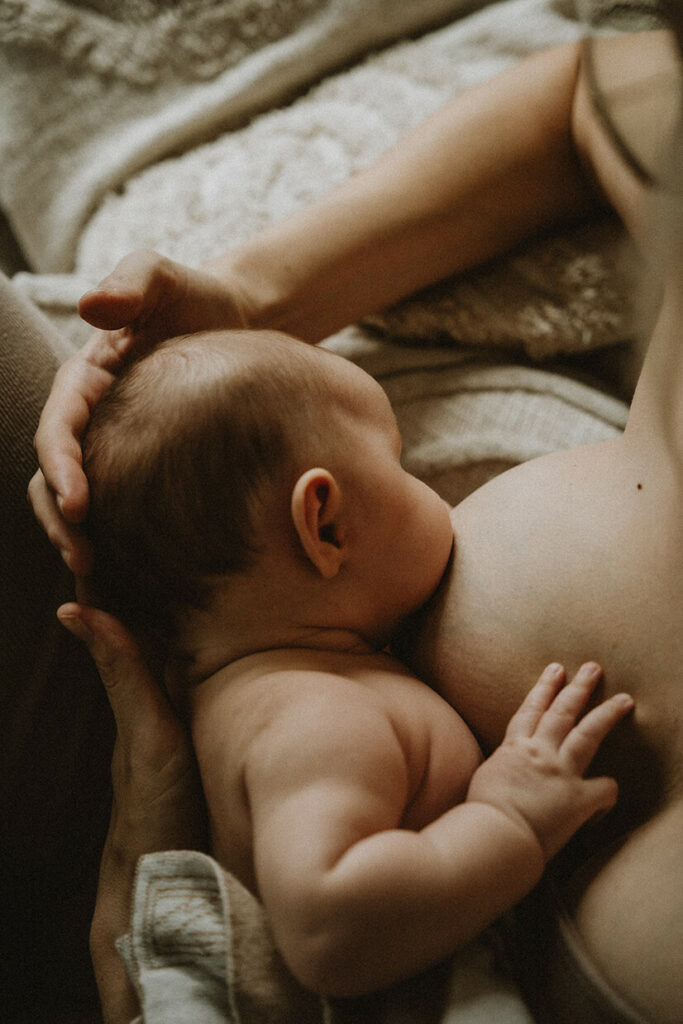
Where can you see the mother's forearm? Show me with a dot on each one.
(489, 169)
(111, 920)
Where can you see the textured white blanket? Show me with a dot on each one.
(91, 92)
(88, 96)
(70, 189)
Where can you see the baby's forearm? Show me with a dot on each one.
(488, 169)
(399, 901)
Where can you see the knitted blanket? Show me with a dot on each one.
(146, 124)
(91, 92)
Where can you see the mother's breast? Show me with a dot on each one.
(471, 660)
(504, 608)
(561, 559)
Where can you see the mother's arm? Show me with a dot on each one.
(655, 220)
(493, 166)
(157, 801)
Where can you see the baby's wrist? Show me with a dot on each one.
(514, 831)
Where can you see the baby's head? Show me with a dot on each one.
(215, 450)
(178, 455)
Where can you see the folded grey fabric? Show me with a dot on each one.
(200, 951)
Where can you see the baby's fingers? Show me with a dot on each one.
(600, 796)
(581, 745)
(536, 702)
(561, 716)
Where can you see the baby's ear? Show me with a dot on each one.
(316, 514)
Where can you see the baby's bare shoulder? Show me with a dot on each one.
(287, 692)
(328, 708)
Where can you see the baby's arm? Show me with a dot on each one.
(355, 901)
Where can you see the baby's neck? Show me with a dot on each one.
(223, 647)
(283, 611)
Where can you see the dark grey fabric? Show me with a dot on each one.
(55, 726)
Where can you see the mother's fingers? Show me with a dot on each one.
(72, 545)
(132, 290)
(77, 387)
(57, 443)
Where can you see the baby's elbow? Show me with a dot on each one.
(322, 954)
(311, 967)
(328, 971)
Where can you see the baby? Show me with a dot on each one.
(249, 509)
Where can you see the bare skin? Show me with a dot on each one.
(157, 802)
(541, 552)
(349, 797)
(340, 789)
(587, 510)
(581, 551)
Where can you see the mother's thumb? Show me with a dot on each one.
(130, 686)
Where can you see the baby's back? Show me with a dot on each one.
(329, 693)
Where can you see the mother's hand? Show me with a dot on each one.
(157, 800)
(146, 299)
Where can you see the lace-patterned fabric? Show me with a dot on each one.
(566, 293)
(139, 41)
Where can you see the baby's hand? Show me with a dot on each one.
(536, 776)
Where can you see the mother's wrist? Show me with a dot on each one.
(256, 293)
(118, 998)
(271, 291)
(111, 920)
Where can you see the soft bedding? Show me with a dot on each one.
(200, 949)
(187, 127)
(83, 181)
(152, 170)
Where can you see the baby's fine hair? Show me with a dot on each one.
(179, 454)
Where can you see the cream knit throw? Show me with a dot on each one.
(79, 121)
(90, 92)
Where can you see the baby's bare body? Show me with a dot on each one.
(326, 692)
(351, 799)
(347, 745)
(579, 554)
